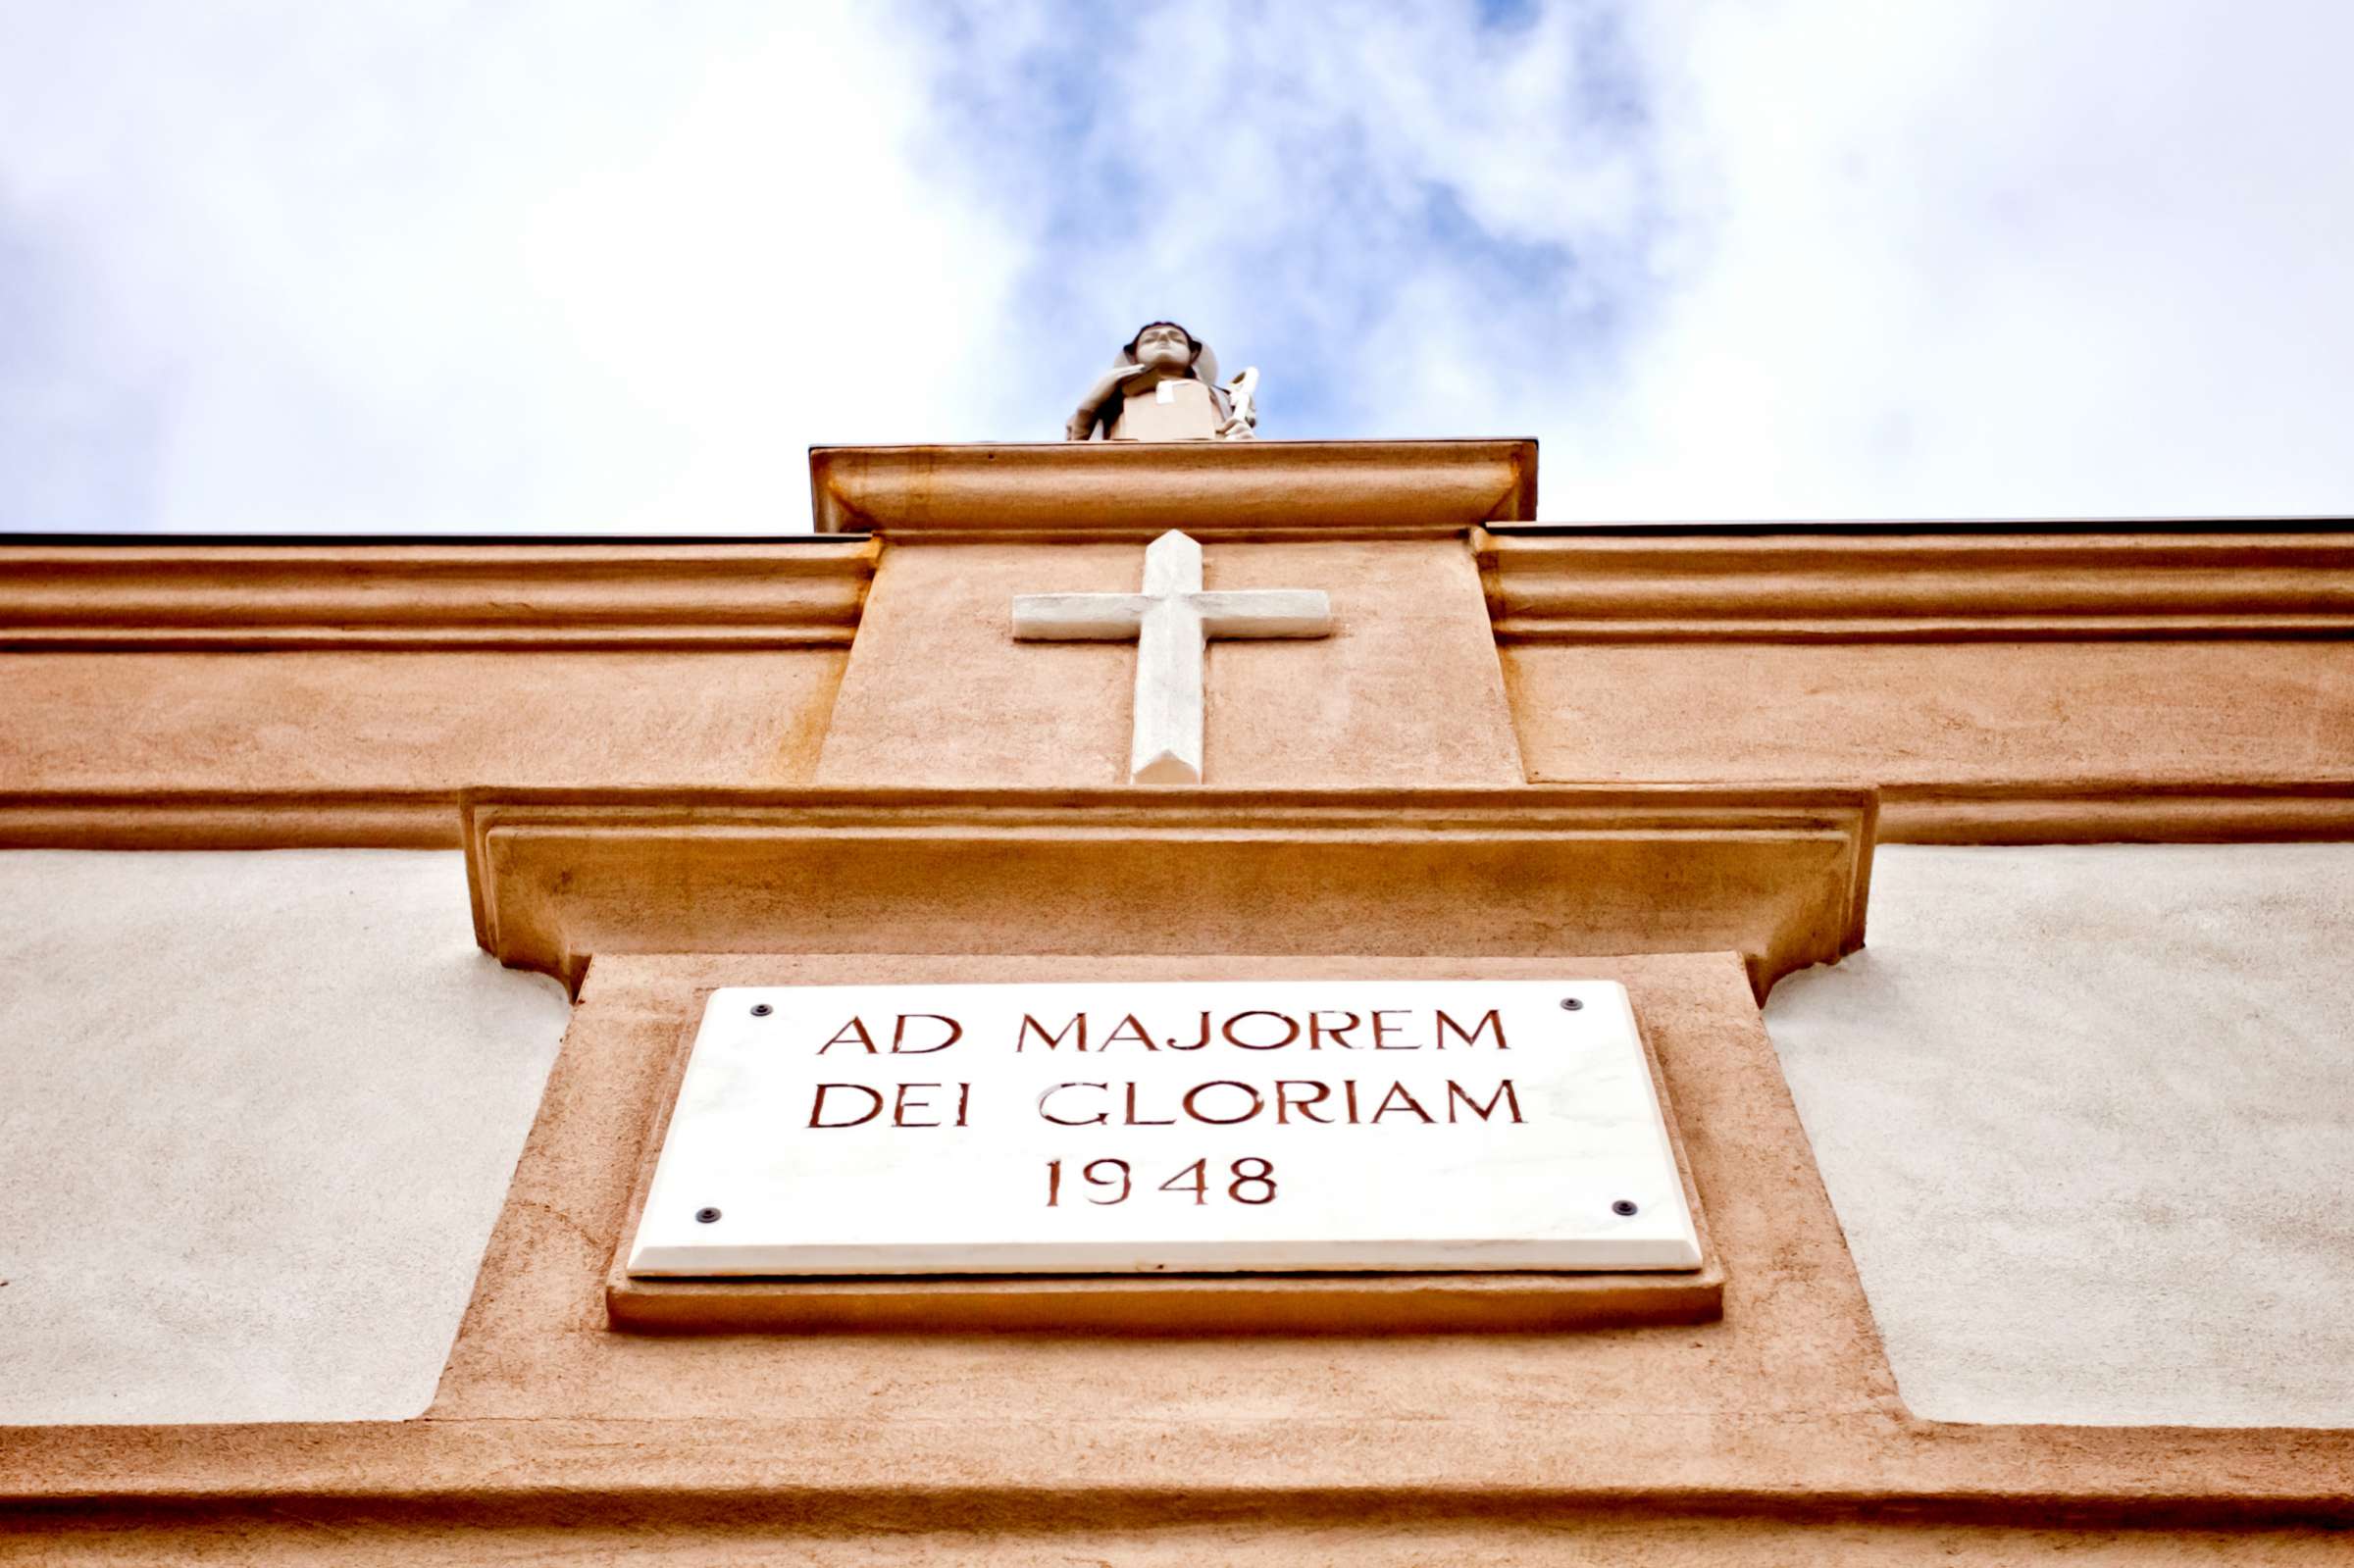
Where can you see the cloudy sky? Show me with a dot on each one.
(570, 265)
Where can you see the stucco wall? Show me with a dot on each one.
(2087, 1117)
(257, 1114)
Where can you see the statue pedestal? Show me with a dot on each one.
(1173, 411)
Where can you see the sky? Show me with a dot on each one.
(581, 267)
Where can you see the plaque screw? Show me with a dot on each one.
(1623, 1207)
(761, 1009)
(705, 1216)
(1570, 1004)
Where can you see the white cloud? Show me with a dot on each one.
(571, 267)
(1987, 258)
(1273, 177)
(537, 266)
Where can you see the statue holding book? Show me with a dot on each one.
(1164, 387)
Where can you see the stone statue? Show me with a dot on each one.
(1164, 387)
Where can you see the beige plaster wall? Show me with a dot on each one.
(2087, 1117)
(257, 1114)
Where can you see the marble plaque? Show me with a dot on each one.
(1198, 1128)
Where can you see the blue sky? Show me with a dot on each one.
(564, 265)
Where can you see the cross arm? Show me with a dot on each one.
(1079, 617)
(1265, 613)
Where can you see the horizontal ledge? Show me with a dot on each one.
(365, 594)
(1211, 489)
(672, 637)
(2117, 811)
(492, 540)
(1777, 873)
(1720, 1465)
(1678, 527)
(1706, 627)
(232, 818)
(2055, 811)
(1636, 806)
(300, 817)
(1169, 1306)
(1919, 585)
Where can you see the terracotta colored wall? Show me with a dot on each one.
(199, 695)
(1406, 691)
(2021, 685)
(411, 721)
(2054, 667)
(1936, 713)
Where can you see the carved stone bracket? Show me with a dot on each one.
(1777, 873)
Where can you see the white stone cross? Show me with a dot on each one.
(1169, 623)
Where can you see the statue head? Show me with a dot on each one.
(1164, 346)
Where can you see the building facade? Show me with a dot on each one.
(1982, 892)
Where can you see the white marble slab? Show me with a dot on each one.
(1306, 1126)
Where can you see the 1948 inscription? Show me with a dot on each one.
(1274, 1124)
(1119, 1179)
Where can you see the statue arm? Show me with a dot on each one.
(1112, 383)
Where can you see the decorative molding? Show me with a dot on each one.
(2036, 812)
(1140, 489)
(1169, 1306)
(2095, 811)
(1828, 584)
(231, 819)
(1775, 1486)
(1776, 874)
(540, 597)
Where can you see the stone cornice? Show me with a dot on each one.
(1211, 489)
(230, 819)
(1776, 874)
(1922, 583)
(316, 594)
(2055, 811)
(2099, 811)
